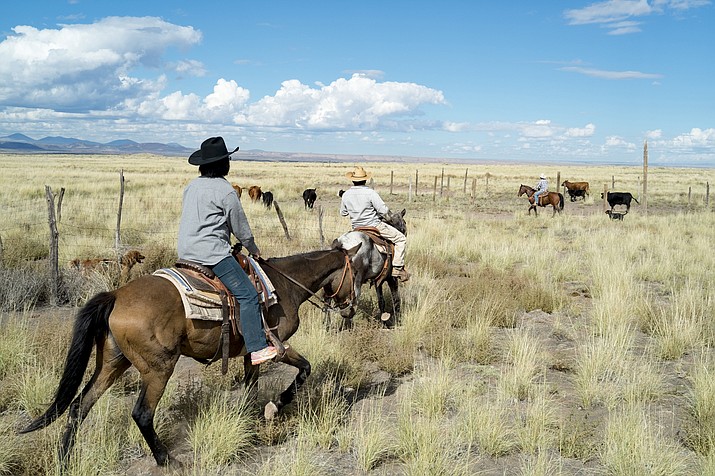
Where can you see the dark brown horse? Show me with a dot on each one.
(143, 324)
(554, 199)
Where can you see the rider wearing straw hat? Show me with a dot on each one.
(365, 207)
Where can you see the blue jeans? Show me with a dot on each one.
(536, 197)
(236, 280)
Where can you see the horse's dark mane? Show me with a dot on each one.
(309, 256)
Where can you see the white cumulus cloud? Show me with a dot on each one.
(81, 66)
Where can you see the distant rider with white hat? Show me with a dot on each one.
(365, 207)
(541, 188)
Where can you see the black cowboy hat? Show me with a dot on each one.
(212, 149)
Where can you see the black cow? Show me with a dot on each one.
(267, 199)
(620, 198)
(309, 197)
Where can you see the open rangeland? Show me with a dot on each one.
(528, 345)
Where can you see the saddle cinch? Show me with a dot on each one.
(206, 298)
(385, 247)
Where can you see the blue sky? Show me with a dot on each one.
(542, 82)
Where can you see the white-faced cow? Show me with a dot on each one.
(620, 198)
(309, 197)
(576, 189)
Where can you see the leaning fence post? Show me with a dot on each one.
(117, 234)
(320, 225)
(281, 219)
(54, 252)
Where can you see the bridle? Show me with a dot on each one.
(325, 307)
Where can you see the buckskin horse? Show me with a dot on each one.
(554, 199)
(369, 264)
(143, 324)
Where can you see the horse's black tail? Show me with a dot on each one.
(91, 323)
(561, 201)
(634, 198)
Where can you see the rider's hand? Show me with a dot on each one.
(256, 256)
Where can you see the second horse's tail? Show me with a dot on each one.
(91, 322)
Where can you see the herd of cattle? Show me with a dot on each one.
(256, 194)
(580, 190)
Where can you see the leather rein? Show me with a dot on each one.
(347, 269)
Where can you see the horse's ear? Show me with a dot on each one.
(403, 212)
(353, 251)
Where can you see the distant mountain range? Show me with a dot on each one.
(66, 145)
(20, 143)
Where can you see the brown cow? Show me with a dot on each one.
(238, 189)
(255, 193)
(576, 189)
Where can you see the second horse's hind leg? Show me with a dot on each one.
(110, 364)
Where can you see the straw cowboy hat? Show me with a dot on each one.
(542, 176)
(212, 149)
(358, 174)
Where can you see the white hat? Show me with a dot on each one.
(543, 176)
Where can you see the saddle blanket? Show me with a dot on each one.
(198, 304)
(205, 304)
(351, 238)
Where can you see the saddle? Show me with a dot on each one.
(385, 247)
(206, 298)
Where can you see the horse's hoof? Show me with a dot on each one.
(385, 316)
(270, 412)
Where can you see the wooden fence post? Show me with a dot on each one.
(117, 233)
(707, 194)
(54, 251)
(434, 189)
(690, 189)
(605, 196)
(447, 194)
(645, 177)
(392, 180)
(558, 180)
(464, 190)
(613, 182)
(474, 188)
(281, 219)
(417, 179)
(441, 184)
(320, 225)
(59, 204)
(409, 191)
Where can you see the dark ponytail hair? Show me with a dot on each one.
(219, 168)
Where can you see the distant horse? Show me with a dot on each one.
(144, 324)
(369, 263)
(554, 199)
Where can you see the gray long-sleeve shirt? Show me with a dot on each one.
(363, 205)
(211, 212)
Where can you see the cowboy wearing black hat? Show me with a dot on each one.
(211, 213)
